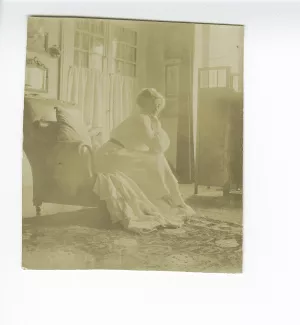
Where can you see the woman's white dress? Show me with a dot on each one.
(134, 177)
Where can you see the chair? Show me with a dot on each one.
(62, 172)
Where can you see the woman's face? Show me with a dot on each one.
(157, 107)
(152, 106)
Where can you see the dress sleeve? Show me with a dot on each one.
(156, 138)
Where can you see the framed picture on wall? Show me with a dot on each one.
(36, 76)
(172, 79)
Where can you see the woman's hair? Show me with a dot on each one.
(148, 99)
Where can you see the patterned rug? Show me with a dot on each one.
(79, 242)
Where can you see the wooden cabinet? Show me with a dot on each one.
(219, 139)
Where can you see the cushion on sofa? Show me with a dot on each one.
(38, 108)
(71, 126)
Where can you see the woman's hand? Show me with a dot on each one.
(155, 123)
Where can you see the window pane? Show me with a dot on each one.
(82, 24)
(77, 40)
(115, 31)
(120, 69)
(100, 27)
(121, 54)
(119, 33)
(119, 51)
(135, 38)
(97, 45)
(86, 24)
(133, 54)
(78, 23)
(126, 53)
(114, 49)
(235, 83)
(122, 36)
(204, 79)
(93, 27)
(125, 69)
(96, 62)
(222, 78)
(76, 58)
(129, 70)
(97, 27)
(126, 36)
(213, 78)
(84, 60)
(132, 70)
(91, 44)
(85, 42)
(114, 66)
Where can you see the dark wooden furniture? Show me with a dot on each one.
(219, 142)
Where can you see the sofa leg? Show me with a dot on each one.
(226, 189)
(195, 189)
(38, 210)
(37, 203)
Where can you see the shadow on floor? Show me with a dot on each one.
(205, 202)
(89, 218)
(99, 219)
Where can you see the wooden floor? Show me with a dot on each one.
(209, 202)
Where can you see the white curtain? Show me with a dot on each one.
(89, 89)
(121, 99)
(104, 100)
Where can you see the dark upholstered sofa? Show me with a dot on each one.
(62, 171)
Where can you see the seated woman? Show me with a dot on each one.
(134, 177)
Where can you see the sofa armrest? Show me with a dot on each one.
(71, 164)
(76, 149)
(86, 152)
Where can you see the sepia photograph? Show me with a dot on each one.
(132, 145)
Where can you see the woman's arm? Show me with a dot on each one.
(164, 139)
(154, 136)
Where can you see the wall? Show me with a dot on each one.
(151, 72)
(225, 46)
(179, 45)
(52, 27)
(156, 34)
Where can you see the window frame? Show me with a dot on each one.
(91, 36)
(114, 60)
(68, 28)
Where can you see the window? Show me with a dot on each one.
(124, 48)
(99, 69)
(89, 43)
